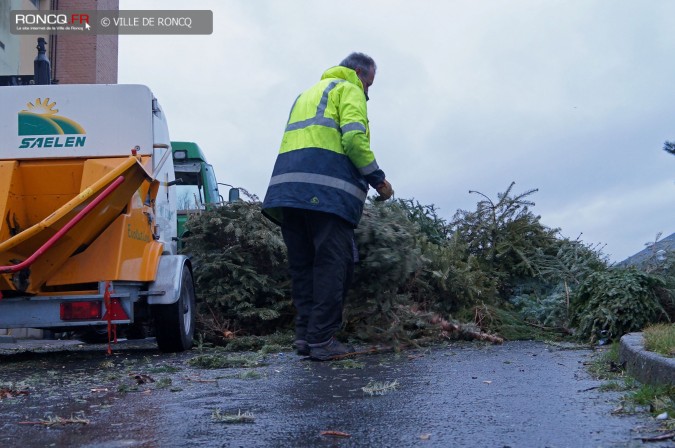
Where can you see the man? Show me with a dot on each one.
(317, 191)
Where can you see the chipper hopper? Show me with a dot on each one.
(88, 215)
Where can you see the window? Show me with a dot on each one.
(190, 189)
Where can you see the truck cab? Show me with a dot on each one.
(196, 184)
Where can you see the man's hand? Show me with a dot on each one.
(384, 190)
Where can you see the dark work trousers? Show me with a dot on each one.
(320, 256)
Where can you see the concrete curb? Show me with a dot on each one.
(647, 367)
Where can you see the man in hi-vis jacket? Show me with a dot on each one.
(317, 191)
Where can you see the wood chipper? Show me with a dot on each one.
(88, 213)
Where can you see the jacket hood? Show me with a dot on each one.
(343, 73)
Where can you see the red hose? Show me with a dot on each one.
(69, 225)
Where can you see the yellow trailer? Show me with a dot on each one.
(88, 234)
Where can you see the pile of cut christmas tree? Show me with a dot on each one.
(491, 274)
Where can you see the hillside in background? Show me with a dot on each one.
(651, 252)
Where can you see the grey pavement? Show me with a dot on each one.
(10, 344)
(520, 394)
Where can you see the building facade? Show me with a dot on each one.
(89, 59)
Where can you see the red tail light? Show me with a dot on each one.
(81, 310)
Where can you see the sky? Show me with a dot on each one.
(572, 97)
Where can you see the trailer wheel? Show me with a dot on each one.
(175, 323)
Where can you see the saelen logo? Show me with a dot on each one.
(41, 119)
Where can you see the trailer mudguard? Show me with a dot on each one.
(165, 290)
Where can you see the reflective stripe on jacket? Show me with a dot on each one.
(325, 162)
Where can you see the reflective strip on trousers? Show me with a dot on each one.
(318, 119)
(320, 179)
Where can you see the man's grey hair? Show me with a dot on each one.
(359, 60)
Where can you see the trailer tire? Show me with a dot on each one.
(175, 323)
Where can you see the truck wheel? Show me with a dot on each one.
(175, 323)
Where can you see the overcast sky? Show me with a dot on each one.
(573, 97)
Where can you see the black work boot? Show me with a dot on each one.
(333, 349)
(301, 347)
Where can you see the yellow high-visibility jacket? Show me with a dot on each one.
(325, 162)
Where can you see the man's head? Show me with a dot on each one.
(364, 66)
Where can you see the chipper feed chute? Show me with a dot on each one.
(30, 255)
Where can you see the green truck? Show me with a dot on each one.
(196, 184)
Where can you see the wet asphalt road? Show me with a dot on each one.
(520, 394)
